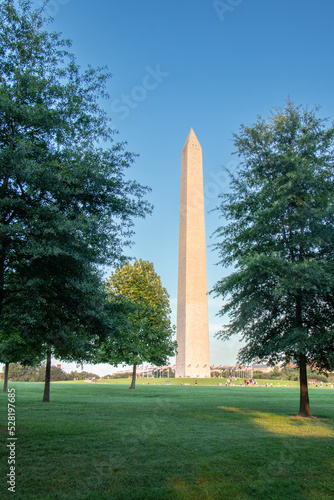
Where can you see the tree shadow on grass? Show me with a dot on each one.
(270, 457)
(196, 444)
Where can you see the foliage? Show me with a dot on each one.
(22, 373)
(82, 375)
(66, 206)
(280, 237)
(317, 376)
(18, 372)
(285, 373)
(257, 374)
(289, 373)
(146, 332)
(57, 374)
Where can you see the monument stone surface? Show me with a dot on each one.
(192, 335)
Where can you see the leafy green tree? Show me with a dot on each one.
(320, 377)
(275, 374)
(12, 349)
(35, 373)
(56, 374)
(67, 331)
(65, 204)
(279, 235)
(81, 375)
(259, 375)
(17, 372)
(146, 332)
(289, 373)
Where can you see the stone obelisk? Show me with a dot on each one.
(192, 335)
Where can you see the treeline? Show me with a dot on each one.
(157, 373)
(288, 373)
(19, 373)
(285, 373)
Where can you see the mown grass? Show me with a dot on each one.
(102, 441)
(191, 381)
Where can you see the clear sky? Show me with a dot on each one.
(209, 65)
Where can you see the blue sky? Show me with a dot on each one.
(209, 65)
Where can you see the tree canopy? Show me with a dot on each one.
(146, 332)
(279, 235)
(66, 203)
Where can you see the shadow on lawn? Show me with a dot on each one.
(292, 426)
(272, 456)
(221, 452)
(101, 443)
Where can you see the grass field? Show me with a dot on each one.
(191, 381)
(102, 441)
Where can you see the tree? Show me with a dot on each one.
(12, 349)
(65, 205)
(22, 373)
(145, 334)
(289, 373)
(280, 237)
(81, 375)
(64, 315)
(56, 374)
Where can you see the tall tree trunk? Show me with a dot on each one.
(133, 383)
(304, 405)
(46, 397)
(5, 383)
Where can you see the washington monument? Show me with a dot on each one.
(193, 357)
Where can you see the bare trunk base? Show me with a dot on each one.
(5, 383)
(133, 383)
(46, 397)
(304, 405)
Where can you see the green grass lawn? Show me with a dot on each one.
(102, 441)
(200, 381)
